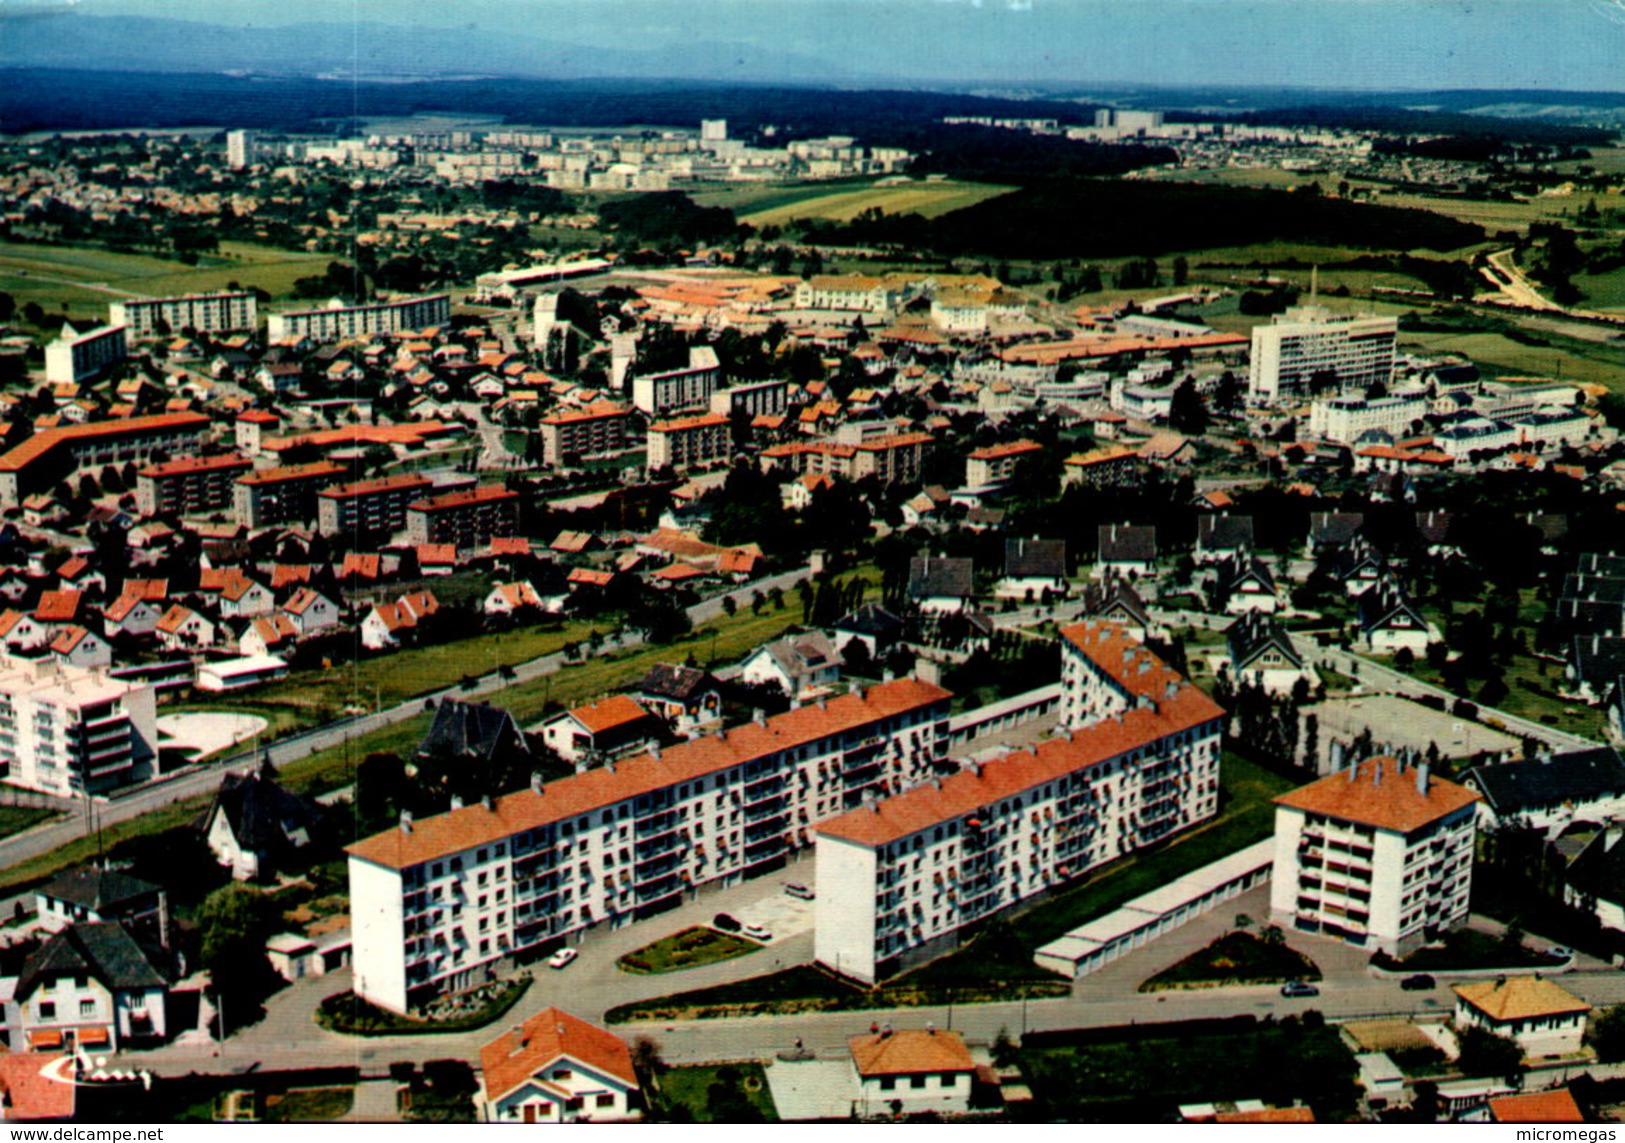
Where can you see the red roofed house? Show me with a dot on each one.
(610, 728)
(130, 614)
(311, 611)
(507, 598)
(182, 629)
(268, 635)
(236, 595)
(994, 464)
(20, 631)
(1536, 1107)
(1545, 1020)
(80, 647)
(911, 1071)
(557, 1068)
(1346, 844)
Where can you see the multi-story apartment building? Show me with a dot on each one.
(1343, 419)
(74, 732)
(438, 902)
(1309, 344)
(900, 878)
(846, 292)
(894, 458)
(336, 321)
(46, 457)
(77, 357)
(240, 149)
(756, 399)
(282, 495)
(689, 442)
(468, 518)
(224, 312)
(1377, 855)
(661, 394)
(994, 464)
(189, 486)
(369, 507)
(599, 429)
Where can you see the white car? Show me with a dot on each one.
(563, 957)
(756, 933)
(796, 889)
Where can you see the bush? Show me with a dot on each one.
(348, 1013)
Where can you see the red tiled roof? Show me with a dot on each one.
(32, 1093)
(485, 493)
(552, 1034)
(1537, 1107)
(312, 471)
(593, 412)
(1268, 1115)
(590, 576)
(58, 606)
(366, 565)
(41, 443)
(67, 639)
(403, 480)
(187, 464)
(911, 1051)
(1010, 448)
(1380, 795)
(684, 424)
(607, 714)
(594, 789)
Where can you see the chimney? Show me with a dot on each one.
(610, 766)
(485, 800)
(722, 734)
(1376, 773)
(456, 802)
(536, 783)
(654, 751)
(857, 691)
(823, 704)
(1422, 779)
(888, 676)
(406, 821)
(1354, 769)
(758, 716)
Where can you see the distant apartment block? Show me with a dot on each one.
(283, 495)
(600, 429)
(190, 486)
(205, 313)
(52, 454)
(689, 442)
(1378, 855)
(895, 458)
(994, 464)
(1308, 347)
(659, 394)
(1344, 419)
(74, 732)
(369, 507)
(337, 321)
(469, 518)
(438, 903)
(240, 149)
(849, 292)
(1137, 760)
(756, 399)
(75, 358)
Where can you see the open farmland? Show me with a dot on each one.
(842, 205)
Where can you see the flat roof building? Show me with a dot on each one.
(73, 732)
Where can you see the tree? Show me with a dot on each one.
(1187, 411)
(233, 924)
(730, 606)
(1607, 1034)
(1483, 1053)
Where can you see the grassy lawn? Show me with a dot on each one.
(1467, 949)
(309, 1105)
(1235, 958)
(15, 819)
(841, 204)
(717, 1093)
(1129, 1075)
(1603, 291)
(347, 1013)
(687, 949)
(247, 264)
(1593, 363)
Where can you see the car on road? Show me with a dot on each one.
(1560, 952)
(796, 889)
(756, 933)
(1417, 982)
(1299, 988)
(725, 922)
(563, 957)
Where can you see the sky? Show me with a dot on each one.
(1369, 44)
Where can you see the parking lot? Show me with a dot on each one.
(779, 913)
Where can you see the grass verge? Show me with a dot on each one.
(347, 1013)
(717, 1093)
(690, 948)
(1235, 958)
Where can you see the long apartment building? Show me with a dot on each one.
(282, 495)
(369, 507)
(600, 429)
(437, 903)
(337, 321)
(48, 456)
(1344, 419)
(1377, 854)
(224, 312)
(660, 394)
(1307, 343)
(689, 442)
(77, 357)
(1136, 761)
(894, 458)
(74, 732)
(468, 518)
(189, 486)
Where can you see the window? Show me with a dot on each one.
(888, 1083)
(87, 1008)
(916, 1081)
(47, 1010)
(606, 1101)
(561, 1073)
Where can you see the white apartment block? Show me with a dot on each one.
(688, 388)
(73, 732)
(206, 313)
(900, 878)
(337, 321)
(849, 292)
(240, 149)
(756, 399)
(1344, 419)
(79, 357)
(689, 442)
(438, 903)
(1287, 354)
(1378, 855)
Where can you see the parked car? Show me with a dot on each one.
(725, 922)
(563, 957)
(796, 889)
(756, 933)
(1299, 988)
(1560, 952)
(1419, 982)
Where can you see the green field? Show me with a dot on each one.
(688, 949)
(844, 202)
(1603, 291)
(1564, 359)
(716, 1093)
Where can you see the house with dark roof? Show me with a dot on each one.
(472, 731)
(1126, 551)
(872, 625)
(1220, 537)
(1595, 879)
(1262, 654)
(1244, 583)
(1550, 793)
(1033, 568)
(1357, 565)
(1119, 603)
(90, 894)
(90, 986)
(557, 1068)
(685, 698)
(802, 666)
(1332, 530)
(1389, 620)
(941, 585)
(1595, 663)
(255, 826)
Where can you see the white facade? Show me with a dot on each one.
(1366, 856)
(691, 387)
(206, 313)
(68, 731)
(1294, 347)
(1344, 419)
(75, 359)
(337, 321)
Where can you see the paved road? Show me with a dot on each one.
(203, 779)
